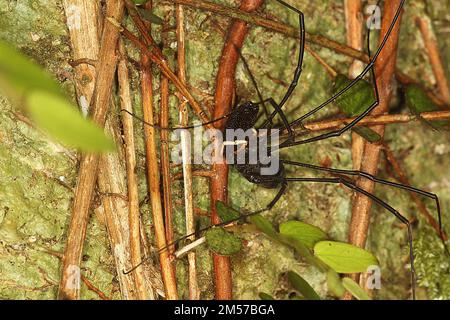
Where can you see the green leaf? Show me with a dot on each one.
(302, 286)
(355, 289)
(418, 102)
(226, 213)
(357, 99)
(344, 257)
(265, 226)
(265, 296)
(334, 283)
(367, 134)
(39, 94)
(223, 243)
(303, 232)
(150, 16)
(57, 117)
(139, 2)
(19, 74)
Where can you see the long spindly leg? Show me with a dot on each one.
(268, 207)
(369, 67)
(299, 67)
(382, 203)
(381, 181)
(271, 204)
(140, 119)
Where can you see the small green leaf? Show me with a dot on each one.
(223, 243)
(265, 296)
(57, 117)
(357, 99)
(139, 2)
(418, 102)
(302, 286)
(150, 16)
(334, 283)
(19, 74)
(367, 134)
(265, 226)
(226, 213)
(355, 289)
(344, 257)
(303, 232)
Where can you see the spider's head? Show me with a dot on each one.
(243, 117)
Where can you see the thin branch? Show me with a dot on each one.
(225, 86)
(197, 173)
(132, 179)
(292, 32)
(89, 164)
(376, 120)
(385, 68)
(194, 293)
(165, 154)
(354, 25)
(331, 72)
(150, 49)
(85, 280)
(434, 55)
(93, 288)
(153, 176)
(188, 249)
(256, 19)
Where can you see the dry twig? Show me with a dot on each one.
(385, 68)
(194, 292)
(153, 176)
(435, 58)
(87, 177)
(225, 85)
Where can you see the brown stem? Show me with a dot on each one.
(294, 33)
(197, 173)
(333, 73)
(165, 69)
(132, 179)
(85, 280)
(279, 27)
(435, 57)
(377, 120)
(165, 155)
(354, 24)
(153, 177)
(68, 288)
(385, 68)
(142, 27)
(93, 288)
(194, 293)
(225, 85)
